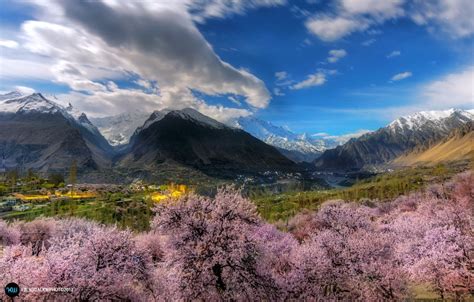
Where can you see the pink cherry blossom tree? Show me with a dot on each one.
(102, 265)
(349, 257)
(210, 244)
(9, 235)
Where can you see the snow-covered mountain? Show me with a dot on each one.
(11, 95)
(38, 133)
(188, 138)
(118, 129)
(436, 119)
(298, 147)
(401, 135)
(197, 117)
(15, 102)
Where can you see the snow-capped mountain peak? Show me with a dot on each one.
(11, 95)
(17, 103)
(154, 117)
(118, 129)
(298, 146)
(192, 114)
(36, 102)
(262, 129)
(421, 118)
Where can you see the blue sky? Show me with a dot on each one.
(315, 66)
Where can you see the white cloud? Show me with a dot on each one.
(24, 90)
(221, 113)
(319, 134)
(90, 43)
(283, 81)
(336, 54)
(374, 32)
(394, 53)
(401, 76)
(9, 44)
(353, 16)
(25, 68)
(203, 10)
(278, 92)
(111, 102)
(315, 79)
(368, 42)
(281, 75)
(378, 9)
(329, 28)
(234, 100)
(454, 17)
(453, 90)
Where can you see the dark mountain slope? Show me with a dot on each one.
(192, 139)
(39, 134)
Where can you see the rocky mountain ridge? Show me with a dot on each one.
(387, 143)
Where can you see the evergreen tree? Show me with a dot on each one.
(73, 175)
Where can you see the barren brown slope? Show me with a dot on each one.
(458, 146)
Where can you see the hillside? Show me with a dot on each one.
(458, 146)
(387, 143)
(39, 134)
(188, 138)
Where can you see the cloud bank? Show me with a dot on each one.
(453, 90)
(452, 17)
(93, 44)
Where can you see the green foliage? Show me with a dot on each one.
(115, 196)
(381, 187)
(73, 173)
(3, 189)
(48, 186)
(132, 212)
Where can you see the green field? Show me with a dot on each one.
(134, 213)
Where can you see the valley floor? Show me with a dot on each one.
(402, 246)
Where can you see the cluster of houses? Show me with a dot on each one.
(171, 191)
(158, 193)
(12, 203)
(22, 202)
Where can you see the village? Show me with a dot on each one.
(27, 195)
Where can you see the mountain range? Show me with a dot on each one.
(458, 145)
(387, 143)
(38, 133)
(118, 130)
(195, 140)
(297, 147)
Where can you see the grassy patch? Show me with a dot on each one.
(133, 213)
(379, 188)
